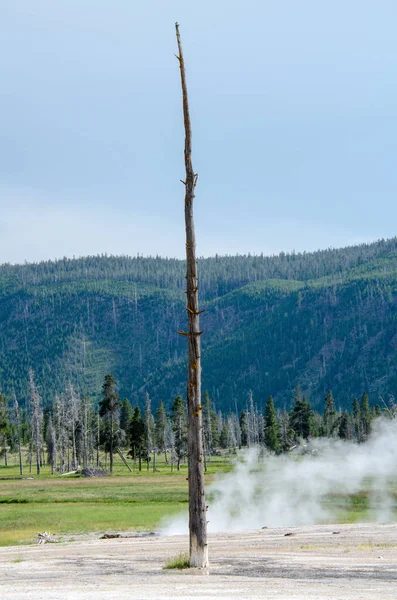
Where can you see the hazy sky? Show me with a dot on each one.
(294, 115)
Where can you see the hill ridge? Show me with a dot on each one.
(325, 319)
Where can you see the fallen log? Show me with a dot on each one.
(45, 538)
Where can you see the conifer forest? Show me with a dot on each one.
(295, 346)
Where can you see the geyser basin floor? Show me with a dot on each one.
(359, 562)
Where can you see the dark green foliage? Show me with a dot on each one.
(109, 408)
(4, 416)
(210, 425)
(301, 416)
(244, 428)
(126, 413)
(5, 427)
(110, 402)
(272, 434)
(365, 415)
(329, 416)
(224, 436)
(326, 319)
(136, 437)
(357, 424)
(287, 434)
(344, 429)
(160, 430)
(377, 411)
(179, 426)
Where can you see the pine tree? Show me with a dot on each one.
(272, 435)
(378, 410)
(286, 433)
(365, 415)
(343, 430)
(358, 430)
(301, 416)
(224, 436)
(244, 429)
(210, 429)
(126, 413)
(136, 436)
(180, 430)
(109, 408)
(329, 416)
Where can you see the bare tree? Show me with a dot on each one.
(161, 430)
(51, 445)
(60, 425)
(253, 422)
(18, 430)
(149, 429)
(197, 506)
(37, 419)
(4, 427)
(86, 435)
(72, 404)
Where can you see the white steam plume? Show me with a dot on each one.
(292, 490)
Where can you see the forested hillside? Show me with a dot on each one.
(326, 320)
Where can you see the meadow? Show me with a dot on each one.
(67, 505)
(72, 505)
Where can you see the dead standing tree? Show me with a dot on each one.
(197, 506)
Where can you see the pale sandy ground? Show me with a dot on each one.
(360, 562)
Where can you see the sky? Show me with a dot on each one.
(294, 119)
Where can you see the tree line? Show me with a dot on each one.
(219, 274)
(75, 434)
(325, 320)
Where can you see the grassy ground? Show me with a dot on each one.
(74, 505)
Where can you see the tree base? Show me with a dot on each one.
(198, 554)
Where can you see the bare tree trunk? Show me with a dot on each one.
(18, 428)
(74, 454)
(85, 432)
(197, 506)
(98, 440)
(111, 442)
(37, 419)
(30, 454)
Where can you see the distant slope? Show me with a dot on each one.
(325, 319)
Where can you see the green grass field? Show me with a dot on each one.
(73, 505)
(68, 506)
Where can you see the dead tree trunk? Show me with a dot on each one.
(18, 430)
(197, 506)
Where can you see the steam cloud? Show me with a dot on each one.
(288, 490)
